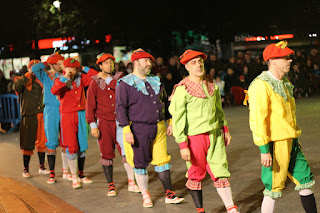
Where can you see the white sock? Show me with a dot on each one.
(226, 196)
(267, 204)
(73, 164)
(305, 192)
(64, 161)
(129, 170)
(142, 181)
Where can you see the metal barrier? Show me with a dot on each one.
(10, 110)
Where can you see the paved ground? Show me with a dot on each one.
(28, 195)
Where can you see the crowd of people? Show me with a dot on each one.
(61, 101)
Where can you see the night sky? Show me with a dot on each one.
(151, 19)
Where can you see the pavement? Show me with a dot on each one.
(18, 194)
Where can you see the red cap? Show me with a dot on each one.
(277, 50)
(191, 54)
(140, 53)
(54, 58)
(33, 62)
(71, 62)
(104, 56)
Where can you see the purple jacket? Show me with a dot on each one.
(133, 105)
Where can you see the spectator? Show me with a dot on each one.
(232, 64)
(252, 65)
(230, 80)
(129, 68)
(220, 83)
(212, 73)
(314, 56)
(11, 81)
(169, 83)
(159, 67)
(212, 61)
(173, 68)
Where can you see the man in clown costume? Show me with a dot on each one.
(51, 111)
(32, 135)
(100, 114)
(275, 131)
(69, 87)
(200, 129)
(141, 109)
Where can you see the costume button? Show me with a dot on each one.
(112, 104)
(154, 102)
(157, 120)
(148, 87)
(76, 92)
(151, 95)
(157, 110)
(79, 105)
(108, 88)
(110, 96)
(114, 112)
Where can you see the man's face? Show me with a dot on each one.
(57, 67)
(195, 67)
(107, 66)
(282, 64)
(144, 66)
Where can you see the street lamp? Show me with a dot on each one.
(57, 4)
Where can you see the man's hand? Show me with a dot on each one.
(129, 138)
(169, 130)
(95, 132)
(185, 154)
(67, 73)
(227, 138)
(266, 159)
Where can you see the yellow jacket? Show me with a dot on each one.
(272, 111)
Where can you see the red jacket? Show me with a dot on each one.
(72, 99)
(101, 101)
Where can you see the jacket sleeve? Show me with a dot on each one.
(122, 104)
(59, 84)
(39, 71)
(20, 82)
(177, 109)
(259, 102)
(91, 105)
(219, 110)
(87, 75)
(164, 99)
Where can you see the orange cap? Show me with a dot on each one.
(104, 56)
(140, 53)
(71, 62)
(33, 62)
(191, 54)
(277, 50)
(54, 58)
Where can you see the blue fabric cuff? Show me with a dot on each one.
(72, 156)
(86, 69)
(64, 79)
(140, 171)
(162, 168)
(264, 149)
(93, 125)
(108, 80)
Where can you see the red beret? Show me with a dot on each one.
(277, 50)
(54, 58)
(140, 53)
(191, 54)
(104, 56)
(71, 62)
(33, 62)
